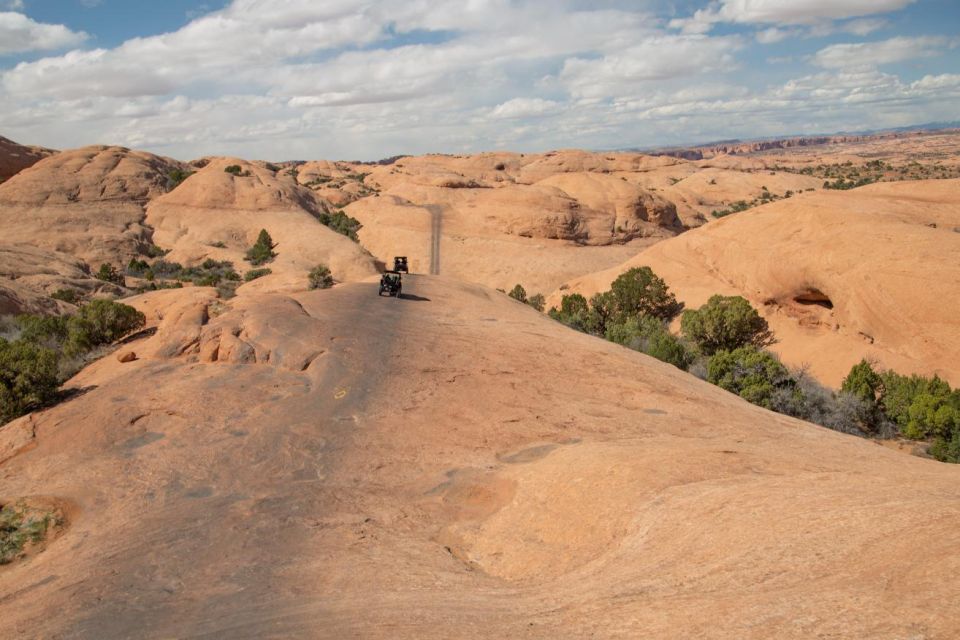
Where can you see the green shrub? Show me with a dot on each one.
(137, 268)
(234, 169)
(341, 223)
(253, 274)
(603, 311)
(574, 312)
(49, 349)
(227, 290)
(43, 331)
(537, 301)
(753, 374)
(262, 250)
(71, 296)
(320, 277)
(518, 293)
(650, 336)
(164, 269)
(899, 392)
(640, 291)
(109, 273)
(100, 322)
(29, 378)
(863, 382)
(946, 449)
(725, 323)
(176, 177)
(153, 251)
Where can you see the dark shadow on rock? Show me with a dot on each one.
(70, 394)
(146, 333)
(411, 297)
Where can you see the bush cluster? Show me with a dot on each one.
(918, 407)
(537, 300)
(341, 223)
(208, 274)
(725, 338)
(634, 312)
(49, 349)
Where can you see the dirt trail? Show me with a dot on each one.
(436, 224)
(211, 535)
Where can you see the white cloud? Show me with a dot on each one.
(864, 26)
(872, 54)
(281, 79)
(772, 35)
(525, 108)
(665, 57)
(781, 12)
(18, 33)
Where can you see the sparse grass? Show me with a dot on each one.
(21, 525)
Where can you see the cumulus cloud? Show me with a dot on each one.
(778, 12)
(872, 54)
(285, 79)
(18, 33)
(525, 108)
(656, 58)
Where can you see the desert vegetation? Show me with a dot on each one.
(320, 277)
(341, 223)
(723, 342)
(236, 170)
(162, 274)
(39, 353)
(175, 178)
(742, 205)
(262, 250)
(847, 175)
(108, 273)
(917, 407)
(22, 525)
(253, 274)
(537, 300)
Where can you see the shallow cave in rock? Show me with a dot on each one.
(814, 297)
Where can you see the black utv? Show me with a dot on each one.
(400, 264)
(390, 284)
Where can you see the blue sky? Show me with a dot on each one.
(363, 79)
